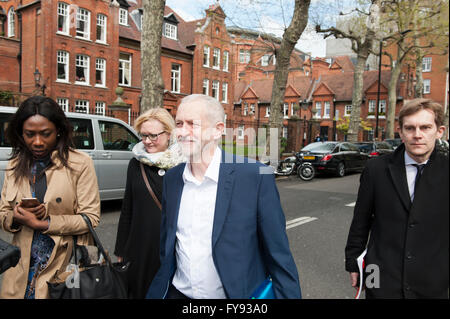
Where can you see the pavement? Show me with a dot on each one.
(318, 215)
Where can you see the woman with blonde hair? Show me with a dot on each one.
(138, 231)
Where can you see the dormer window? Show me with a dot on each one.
(123, 16)
(170, 31)
(170, 26)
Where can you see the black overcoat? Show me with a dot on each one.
(139, 228)
(409, 241)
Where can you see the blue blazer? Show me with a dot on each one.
(249, 240)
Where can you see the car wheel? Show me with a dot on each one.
(340, 170)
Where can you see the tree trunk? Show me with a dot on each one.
(283, 56)
(392, 97)
(152, 81)
(418, 89)
(357, 95)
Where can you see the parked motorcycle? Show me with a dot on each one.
(296, 165)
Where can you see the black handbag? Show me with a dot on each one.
(9, 255)
(99, 281)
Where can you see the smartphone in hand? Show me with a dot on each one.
(29, 202)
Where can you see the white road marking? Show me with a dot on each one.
(351, 204)
(299, 221)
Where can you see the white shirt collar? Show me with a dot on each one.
(212, 172)
(410, 161)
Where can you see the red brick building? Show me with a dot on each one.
(79, 52)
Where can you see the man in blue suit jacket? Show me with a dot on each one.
(223, 231)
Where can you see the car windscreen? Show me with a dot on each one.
(366, 148)
(319, 147)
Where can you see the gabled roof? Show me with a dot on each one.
(123, 4)
(263, 88)
(249, 93)
(132, 31)
(217, 9)
(340, 85)
(321, 87)
(171, 18)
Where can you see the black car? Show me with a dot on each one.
(374, 149)
(335, 157)
(395, 142)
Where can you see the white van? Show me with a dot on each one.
(107, 140)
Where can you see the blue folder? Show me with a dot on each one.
(264, 291)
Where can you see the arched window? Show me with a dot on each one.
(11, 22)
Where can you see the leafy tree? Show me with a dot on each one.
(362, 33)
(410, 25)
(283, 55)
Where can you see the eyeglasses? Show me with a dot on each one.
(151, 137)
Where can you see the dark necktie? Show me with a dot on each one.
(420, 168)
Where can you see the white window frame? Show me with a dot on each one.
(265, 60)
(215, 89)
(102, 22)
(285, 132)
(326, 109)
(83, 15)
(382, 108)
(244, 56)
(216, 59)
(11, 22)
(170, 31)
(318, 114)
(175, 77)
(206, 56)
(63, 11)
(224, 92)
(226, 58)
(267, 111)
(426, 64)
(123, 16)
(372, 106)
(100, 65)
(63, 103)
(122, 63)
(82, 61)
(348, 110)
(285, 110)
(100, 108)
(62, 57)
(205, 86)
(82, 106)
(240, 132)
(245, 109)
(426, 86)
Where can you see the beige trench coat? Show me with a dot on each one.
(69, 192)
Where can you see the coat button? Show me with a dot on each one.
(409, 256)
(58, 200)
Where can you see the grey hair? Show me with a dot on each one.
(214, 109)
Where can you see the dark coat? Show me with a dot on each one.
(249, 240)
(139, 228)
(409, 242)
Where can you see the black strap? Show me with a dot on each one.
(96, 239)
(149, 188)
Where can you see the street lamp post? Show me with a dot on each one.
(37, 81)
(334, 119)
(378, 91)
